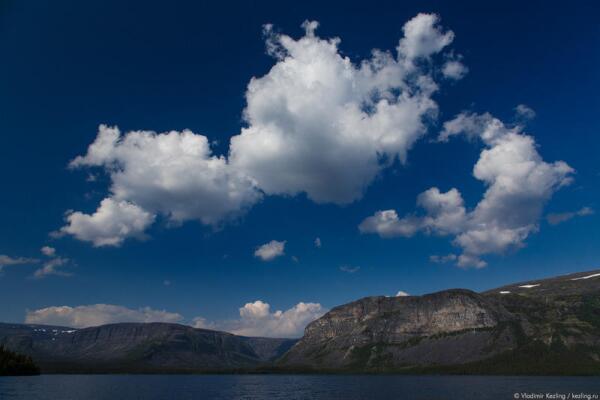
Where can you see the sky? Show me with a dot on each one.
(246, 167)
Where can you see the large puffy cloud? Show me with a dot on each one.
(519, 183)
(319, 124)
(316, 123)
(97, 314)
(256, 319)
(173, 174)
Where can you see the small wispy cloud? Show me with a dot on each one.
(443, 259)
(558, 218)
(349, 269)
(53, 265)
(523, 111)
(48, 251)
(6, 261)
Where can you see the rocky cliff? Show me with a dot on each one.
(545, 326)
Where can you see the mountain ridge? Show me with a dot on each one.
(545, 326)
(139, 347)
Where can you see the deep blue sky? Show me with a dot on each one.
(68, 66)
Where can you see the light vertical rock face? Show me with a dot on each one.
(391, 322)
(447, 311)
(557, 318)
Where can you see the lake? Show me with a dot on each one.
(250, 387)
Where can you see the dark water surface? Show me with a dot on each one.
(342, 387)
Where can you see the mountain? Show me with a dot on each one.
(139, 347)
(549, 326)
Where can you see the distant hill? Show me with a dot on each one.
(549, 326)
(12, 363)
(138, 347)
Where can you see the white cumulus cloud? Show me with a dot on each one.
(271, 250)
(387, 224)
(445, 215)
(423, 37)
(256, 310)
(316, 123)
(319, 124)
(519, 183)
(256, 319)
(173, 174)
(112, 223)
(97, 314)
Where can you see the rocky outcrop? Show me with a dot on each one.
(383, 331)
(505, 330)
